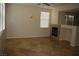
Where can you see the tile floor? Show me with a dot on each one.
(39, 47)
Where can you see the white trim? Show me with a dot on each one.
(73, 36)
(27, 36)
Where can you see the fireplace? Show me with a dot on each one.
(55, 31)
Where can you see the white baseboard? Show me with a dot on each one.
(27, 37)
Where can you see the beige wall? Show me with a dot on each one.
(24, 21)
(19, 22)
(56, 9)
(54, 16)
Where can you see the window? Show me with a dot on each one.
(44, 20)
(2, 16)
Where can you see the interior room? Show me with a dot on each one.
(39, 29)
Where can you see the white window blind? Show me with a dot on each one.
(2, 16)
(44, 20)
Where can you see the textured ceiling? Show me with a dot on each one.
(52, 4)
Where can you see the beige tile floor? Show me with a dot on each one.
(39, 47)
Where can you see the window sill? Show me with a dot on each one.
(45, 27)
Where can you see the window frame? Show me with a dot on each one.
(2, 15)
(48, 19)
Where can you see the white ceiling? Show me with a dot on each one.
(61, 4)
(52, 4)
(45, 6)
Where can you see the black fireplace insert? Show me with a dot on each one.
(55, 31)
